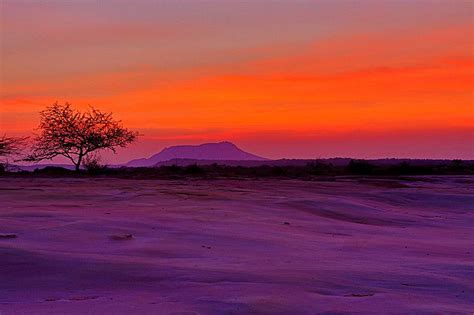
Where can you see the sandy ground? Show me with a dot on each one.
(236, 247)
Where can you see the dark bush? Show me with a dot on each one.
(53, 171)
(360, 167)
(93, 164)
(320, 168)
(193, 169)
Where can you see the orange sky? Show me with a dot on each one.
(281, 79)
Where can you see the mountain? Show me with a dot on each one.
(222, 151)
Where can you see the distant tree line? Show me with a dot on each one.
(316, 170)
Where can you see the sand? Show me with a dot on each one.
(111, 246)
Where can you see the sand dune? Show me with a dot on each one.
(109, 246)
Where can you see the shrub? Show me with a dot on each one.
(360, 167)
(93, 164)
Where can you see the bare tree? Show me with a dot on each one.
(68, 132)
(11, 145)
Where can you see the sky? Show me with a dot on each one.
(281, 79)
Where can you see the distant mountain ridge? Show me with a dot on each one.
(221, 151)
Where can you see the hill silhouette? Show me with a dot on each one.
(221, 151)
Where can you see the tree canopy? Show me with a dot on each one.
(65, 131)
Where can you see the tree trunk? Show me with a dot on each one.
(79, 162)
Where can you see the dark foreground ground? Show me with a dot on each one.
(115, 246)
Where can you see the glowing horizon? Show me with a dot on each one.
(280, 79)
